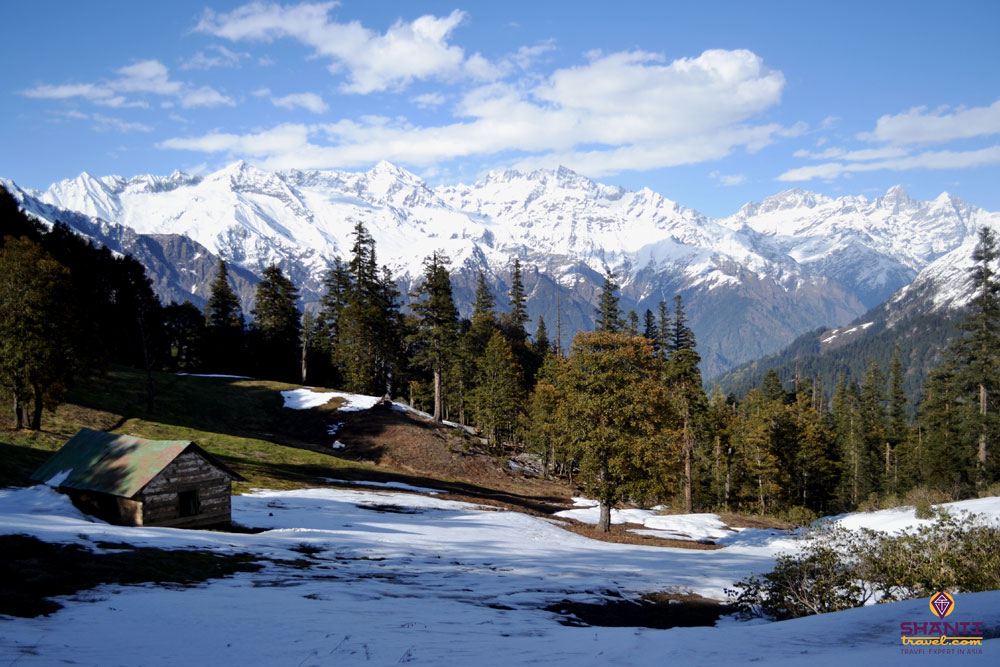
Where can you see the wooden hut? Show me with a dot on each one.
(135, 482)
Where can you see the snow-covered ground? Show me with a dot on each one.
(407, 578)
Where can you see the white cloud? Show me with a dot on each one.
(729, 179)
(525, 56)
(145, 76)
(918, 126)
(639, 111)
(309, 101)
(926, 160)
(407, 51)
(214, 56)
(429, 100)
(885, 153)
(104, 123)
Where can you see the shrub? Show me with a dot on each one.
(923, 499)
(838, 568)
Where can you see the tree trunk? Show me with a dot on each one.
(982, 432)
(18, 413)
(687, 468)
(604, 524)
(437, 395)
(305, 364)
(36, 410)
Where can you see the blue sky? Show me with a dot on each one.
(712, 104)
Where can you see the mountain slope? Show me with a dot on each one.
(751, 282)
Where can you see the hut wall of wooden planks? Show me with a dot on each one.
(135, 482)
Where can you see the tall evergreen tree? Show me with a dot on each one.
(978, 355)
(651, 331)
(873, 428)
(897, 424)
(632, 324)
(541, 344)
(683, 379)
(184, 329)
(438, 326)
(615, 408)
(609, 317)
(277, 326)
(224, 325)
(663, 314)
(681, 336)
(518, 316)
(499, 397)
(39, 321)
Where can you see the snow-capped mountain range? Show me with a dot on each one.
(751, 281)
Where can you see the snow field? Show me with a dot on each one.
(408, 578)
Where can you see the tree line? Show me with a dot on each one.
(623, 413)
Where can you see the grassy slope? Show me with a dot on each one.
(244, 424)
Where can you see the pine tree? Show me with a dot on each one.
(664, 329)
(632, 326)
(541, 346)
(683, 380)
(848, 431)
(438, 324)
(771, 388)
(873, 428)
(941, 459)
(759, 479)
(651, 331)
(39, 323)
(224, 325)
(184, 328)
(681, 337)
(978, 355)
(897, 424)
(615, 408)
(498, 394)
(277, 323)
(518, 316)
(609, 317)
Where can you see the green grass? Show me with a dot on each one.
(240, 421)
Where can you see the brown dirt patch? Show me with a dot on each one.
(654, 610)
(750, 521)
(620, 535)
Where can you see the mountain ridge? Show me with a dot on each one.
(775, 268)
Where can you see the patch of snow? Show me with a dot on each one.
(57, 479)
(305, 399)
(401, 486)
(337, 444)
(436, 582)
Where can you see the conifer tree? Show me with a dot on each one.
(632, 326)
(897, 424)
(277, 324)
(541, 344)
(849, 434)
(518, 316)
(615, 408)
(873, 428)
(544, 434)
(609, 317)
(651, 331)
(184, 330)
(683, 379)
(941, 458)
(39, 322)
(499, 399)
(438, 324)
(664, 329)
(224, 325)
(978, 355)
(759, 481)
(681, 336)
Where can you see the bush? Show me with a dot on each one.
(838, 569)
(798, 515)
(923, 499)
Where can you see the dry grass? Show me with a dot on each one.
(620, 535)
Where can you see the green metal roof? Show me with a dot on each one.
(117, 464)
